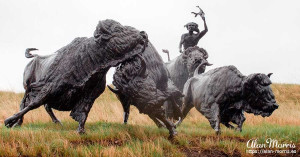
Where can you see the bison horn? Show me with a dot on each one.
(143, 66)
(200, 65)
(205, 54)
(269, 75)
(116, 91)
(178, 122)
(208, 64)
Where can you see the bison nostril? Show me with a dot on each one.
(275, 106)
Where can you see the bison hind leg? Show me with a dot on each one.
(22, 106)
(51, 114)
(35, 103)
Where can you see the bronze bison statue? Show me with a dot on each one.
(74, 76)
(223, 94)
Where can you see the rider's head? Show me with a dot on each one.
(192, 26)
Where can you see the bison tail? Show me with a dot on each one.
(167, 52)
(28, 54)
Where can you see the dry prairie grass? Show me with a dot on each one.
(108, 109)
(106, 136)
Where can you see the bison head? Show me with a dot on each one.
(118, 40)
(194, 56)
(258, 95)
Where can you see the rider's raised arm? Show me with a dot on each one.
(202, 33)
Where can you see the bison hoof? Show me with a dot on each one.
(239, 129)
(18, 123)
(160, 126)
(58, 122)
(173, 133)
(81, 131)
(11, 121)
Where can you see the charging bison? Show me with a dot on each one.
(222, 94)
(182, 68)
(144, 83)
(73, 77)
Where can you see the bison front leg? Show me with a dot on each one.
(168, 109)
(169, 125)
(51, 114)
(239, 120)
(185, 110)
(213, 116)
(80, 113)
(157, 122)
(81, 125)
(216, 118)
(228, 125)
(124, 101)
(126, 107)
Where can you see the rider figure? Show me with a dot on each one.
(191, 39)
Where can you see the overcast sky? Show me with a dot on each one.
(254, 35)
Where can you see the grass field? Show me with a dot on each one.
(107, 136)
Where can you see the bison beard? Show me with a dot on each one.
(146, 86)
(223, 94)
(74, 76)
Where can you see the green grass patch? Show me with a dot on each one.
(124, 140)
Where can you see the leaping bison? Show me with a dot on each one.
(222, 94)
(144, 82)
(74, 76)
